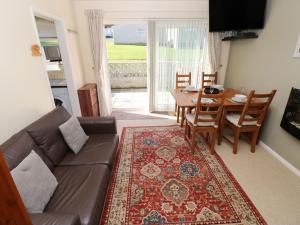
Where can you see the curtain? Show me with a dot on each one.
(150, 64)
(214, 51)
(98, 48)
(180, 46)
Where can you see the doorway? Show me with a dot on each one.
(52, 35)
(53, 60)
(126, 45)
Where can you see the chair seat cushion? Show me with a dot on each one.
(99, 149)
(81, 191)
(234, 119)
(191, 118)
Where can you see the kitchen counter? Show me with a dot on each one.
(58, 83)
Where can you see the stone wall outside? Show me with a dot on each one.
(128, 74)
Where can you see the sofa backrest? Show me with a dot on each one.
(43, 136)
(18, 147)
(46, 134)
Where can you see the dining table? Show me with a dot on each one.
(187, 100)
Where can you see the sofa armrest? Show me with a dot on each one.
(54, 219)
(98, 125)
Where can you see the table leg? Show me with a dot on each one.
(221, 126)
(182, 116)
(189, 110)
(178, 114)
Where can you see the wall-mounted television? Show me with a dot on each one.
(236, 15)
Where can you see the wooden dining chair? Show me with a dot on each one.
(250, 120)
(183, 79)
(209, 79)
(181, 82)
(205, 121)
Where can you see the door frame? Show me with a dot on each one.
(65, 53)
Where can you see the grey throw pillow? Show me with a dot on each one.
(73, 134)
(35, 182)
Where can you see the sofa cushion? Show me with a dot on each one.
(47, 136)
(99, 148)
(73, 134)
(18, 147)
(54, 219)
(34, 182)
(81, 191)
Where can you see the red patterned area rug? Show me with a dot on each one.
(157, 180)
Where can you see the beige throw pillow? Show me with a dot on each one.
(35, 182)
(73, 134)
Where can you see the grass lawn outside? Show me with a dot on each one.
(139, 53)
(49, 41)
(125, 52)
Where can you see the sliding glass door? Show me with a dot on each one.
(178, 46)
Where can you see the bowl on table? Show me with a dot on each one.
(239, 98)
(203, 100)
(211, 90)
(190, 89)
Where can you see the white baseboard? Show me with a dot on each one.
(280, 158)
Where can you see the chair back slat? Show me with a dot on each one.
(256, 107)
(213, 109)
(211, 105)
(202, 112)
(209, 79)
(182, 79)
(255, 112)
(250, 119)
(262, 95)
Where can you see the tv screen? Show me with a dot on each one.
(236, 14)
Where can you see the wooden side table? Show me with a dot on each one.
(88, 99)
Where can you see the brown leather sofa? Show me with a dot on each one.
(83, 178)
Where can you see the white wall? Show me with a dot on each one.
(24, 88)
(116, 10)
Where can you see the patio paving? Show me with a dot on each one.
(133, 98)
(133, 104)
